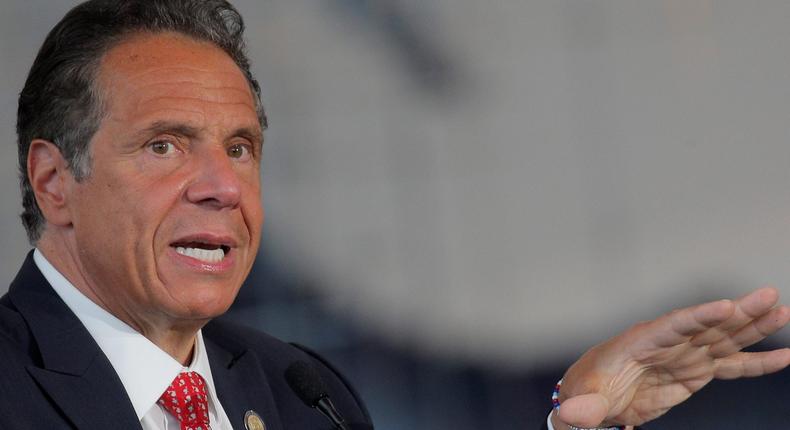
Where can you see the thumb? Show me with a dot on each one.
(586, 410)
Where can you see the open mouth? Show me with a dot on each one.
(205, 252)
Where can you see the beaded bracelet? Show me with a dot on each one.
(555, 402)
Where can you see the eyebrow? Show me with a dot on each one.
(253, 134)
(169, 127)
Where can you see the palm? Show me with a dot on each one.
(659, 388)
(642, 373)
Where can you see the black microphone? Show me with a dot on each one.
(308, 385)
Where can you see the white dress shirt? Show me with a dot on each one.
(144, 369)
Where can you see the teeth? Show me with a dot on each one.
(205, 255)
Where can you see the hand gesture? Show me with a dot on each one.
(642, 373)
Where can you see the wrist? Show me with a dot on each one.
(558, 424)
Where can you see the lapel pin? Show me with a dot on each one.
(253, 421)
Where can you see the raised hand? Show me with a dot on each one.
(640, 374)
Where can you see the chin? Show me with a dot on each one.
(201, 311)
(205, 301)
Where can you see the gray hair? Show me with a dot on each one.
(60, 101)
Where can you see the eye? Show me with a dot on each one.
(239, 151)
(162, 147)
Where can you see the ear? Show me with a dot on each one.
(49, 176)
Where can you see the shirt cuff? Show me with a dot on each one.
(548, 421)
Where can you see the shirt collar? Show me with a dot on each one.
(143, 368)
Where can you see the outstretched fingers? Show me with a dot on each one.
(679, 326)
(747, 308)
(748, 364)
(756, 330)
(702, 341)
(758, 301)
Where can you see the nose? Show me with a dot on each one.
(216, 184)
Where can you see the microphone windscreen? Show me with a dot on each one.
(306, 382)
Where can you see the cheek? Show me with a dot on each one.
(127, 211)
(252, 205)
(99, 214)
(255, 211)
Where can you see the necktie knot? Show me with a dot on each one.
(187, 401)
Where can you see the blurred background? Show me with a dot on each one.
(463, 196)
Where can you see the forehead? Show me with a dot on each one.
(156, 74)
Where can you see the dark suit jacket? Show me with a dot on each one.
(53, 375)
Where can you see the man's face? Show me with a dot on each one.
(168, 223)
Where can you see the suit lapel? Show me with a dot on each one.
(240, 382)
(73, 371)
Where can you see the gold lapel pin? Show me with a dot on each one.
(253, 421)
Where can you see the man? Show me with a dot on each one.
(140, 132)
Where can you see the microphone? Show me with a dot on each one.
(308, 385)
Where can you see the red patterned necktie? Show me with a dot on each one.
(186, 400)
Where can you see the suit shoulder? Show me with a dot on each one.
(326, 367)
(18, 351)
(275, 355)
(14, 332)
(233, 336)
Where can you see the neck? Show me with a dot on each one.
(179, 345)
